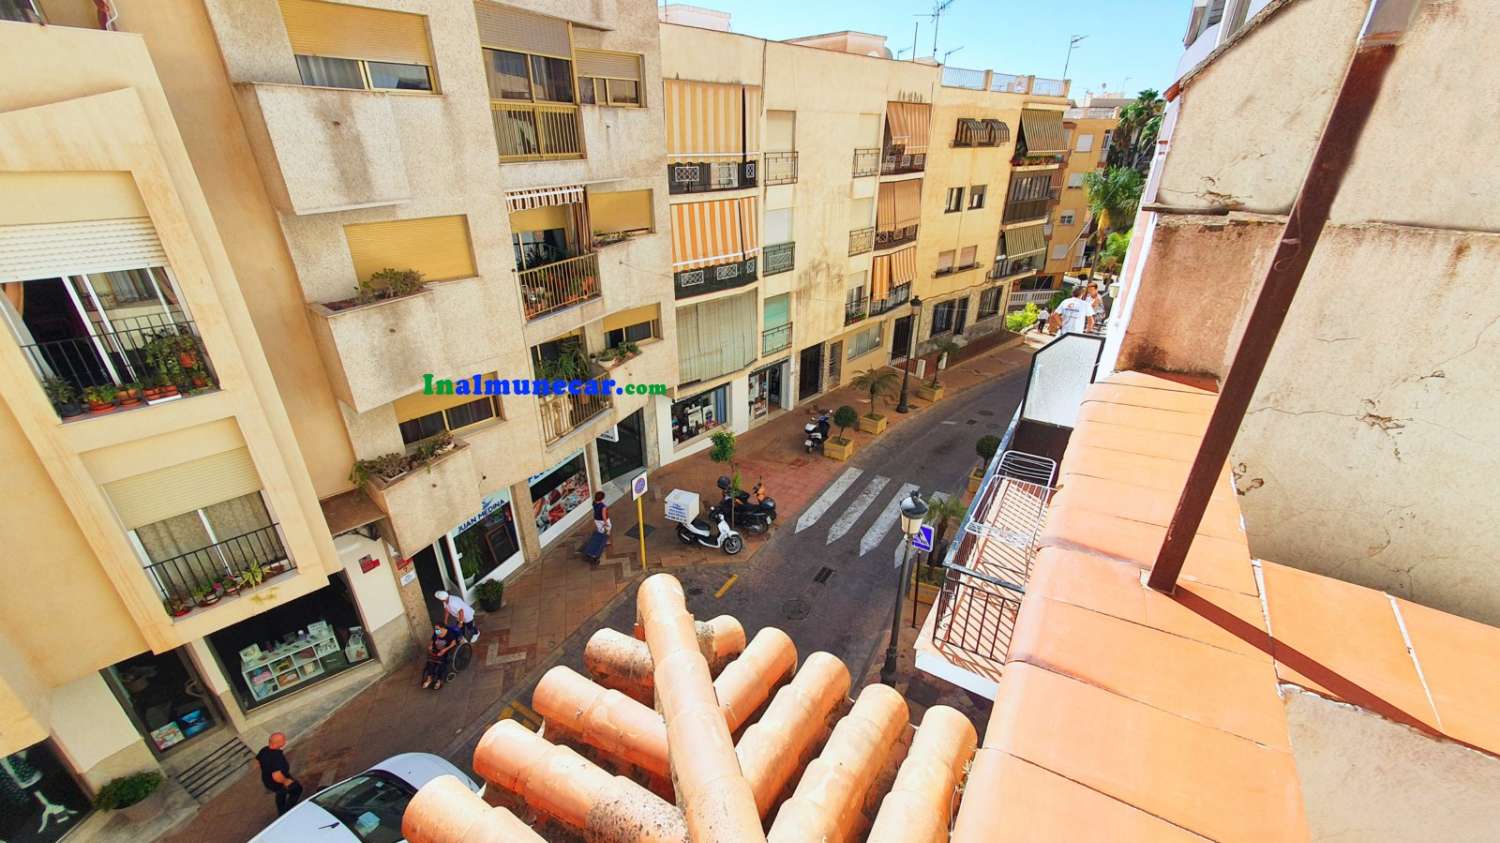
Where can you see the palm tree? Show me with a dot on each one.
(876, 382)
(1134, 139)
(945, 348)
(1113, 196)
(940, 512)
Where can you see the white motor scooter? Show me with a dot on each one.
(699, 532)
(816, 431)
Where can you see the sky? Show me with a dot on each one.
(1131, 44)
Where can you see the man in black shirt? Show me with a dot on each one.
(276, 774)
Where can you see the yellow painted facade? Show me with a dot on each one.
(1091, 128)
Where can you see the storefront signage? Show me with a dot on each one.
(407, 578)
(490, 504)
(368, 564)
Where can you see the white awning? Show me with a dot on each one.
(538, 197)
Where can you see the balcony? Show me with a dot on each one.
(557, 286)
(563, 414)
(780, 168)
(894, 161)
(1017, 266)
(325, 149)
(856, 310)
(208, 574)
(898, 296)
(1020, 298)
(1026, 210)
(778, 258)
(895, 237)
(1021, 160)
(866, 162)
(710, 279)
(144, 360)
(861, 240)
(725, 171)
(424, 501)
(536, 131)
(374, 352)
(1049, 87)
(778, 338)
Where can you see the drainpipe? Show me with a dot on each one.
(564, 786)
(1385, 23)
(621, 662)
(827, 804)
(919, 807)
(715, 798)
(445, 811)
(776, 748)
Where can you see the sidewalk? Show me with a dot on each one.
(553, 598)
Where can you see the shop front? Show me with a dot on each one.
(485, 546)
(695, 416)
(165, 699)
(40, 802)
(292, 646)
(622, 449)
(765, 390)
(560, 497)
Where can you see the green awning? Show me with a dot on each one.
(1020, 242)
(1043, 131)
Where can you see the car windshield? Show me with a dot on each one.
(370, 804)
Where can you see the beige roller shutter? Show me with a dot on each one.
(512, 29)
(161, 494)
(341, 30)
(437, 247)
(634, 316)
(418, 404)
(621, 210)
(48, 250)
(609, 65)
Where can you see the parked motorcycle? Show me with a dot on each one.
(816, 431)
(751, 511)
(699, 532)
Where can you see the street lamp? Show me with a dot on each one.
(913, 511)
(911, 344)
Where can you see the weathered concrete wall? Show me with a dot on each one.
(1366, 778)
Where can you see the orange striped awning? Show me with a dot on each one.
(907, 122)
(708, 233)
(898, 204)
(750, 225)
(539, 197)
(885, 206)
(892, 270)
(709, 118)
(752, 118)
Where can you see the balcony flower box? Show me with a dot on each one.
(976, 477)
(873, 423)
(839, 448)
(928, 392)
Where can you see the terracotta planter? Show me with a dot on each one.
(976, 477)
(872, 424)
(836, 451)
(927, 392)
(99, 408)
(147, 809)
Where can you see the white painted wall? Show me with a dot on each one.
(88, 723)
(379, 602)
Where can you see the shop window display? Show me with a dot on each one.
(699, 414)
(39, 801)
(558, 492)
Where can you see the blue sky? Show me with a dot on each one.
(1134, 43)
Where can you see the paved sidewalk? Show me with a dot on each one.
(551, 600)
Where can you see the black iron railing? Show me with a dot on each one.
(778, 338)
(778, 257)
(866, 162)
(898, 295)
(861, 240)
(780, 168)
(896, 160)
(895, 237)
(1016, 266)
(856, 310)
(716, 172)
(710, 279)
(205, 575)
(555, 286)
(976, 613)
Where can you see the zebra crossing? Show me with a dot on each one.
(864, 499)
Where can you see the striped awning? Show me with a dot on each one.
(710, 118)
(1043, 131)
(898, 204)
(892, 270)
(907, 122)
(540, 197)
(714, 232)
(1020, 242)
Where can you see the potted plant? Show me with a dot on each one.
(176, 606)
(129, 394)
(722, 452)
(206, 595)
(64, 397)
(280, 566)
(491, 595)
(138, 796)
(876, 382)
(252, 576)
(386, 468)
(841, 447)
(928, 578)
(933, 389)
(160, 388)
(101, 398)
(985, 448)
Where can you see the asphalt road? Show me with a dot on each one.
(846, 609)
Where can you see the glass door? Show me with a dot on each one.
(164, 697)
(901, 338)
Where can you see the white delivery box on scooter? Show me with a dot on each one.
(682, 506)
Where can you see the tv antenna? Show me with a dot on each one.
(1072, 43)
(936, 15)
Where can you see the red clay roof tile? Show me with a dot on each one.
(1460, 660)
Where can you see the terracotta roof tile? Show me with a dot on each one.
(1342, 640)
(1155, 472)
(1153, 443)
(1150, 381)
(1460, 660)
(1160, 399)
(1203, 779)
(1214, 561)
(1152, 505)
(1146, 418)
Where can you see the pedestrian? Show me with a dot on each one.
(1097, 302)
(593, 549)
(439, 650)
(458, 611)
(276, 773)
(1041, 321)
(1077, 315)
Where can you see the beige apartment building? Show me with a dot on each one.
(1089, 129)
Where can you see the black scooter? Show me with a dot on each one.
(750, 511)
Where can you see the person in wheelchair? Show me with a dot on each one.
(439, 654)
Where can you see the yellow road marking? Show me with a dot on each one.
(729, 583)
(526, 712)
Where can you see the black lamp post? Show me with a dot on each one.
(911, 344)
(913, 511)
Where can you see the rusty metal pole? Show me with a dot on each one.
(1385, 23)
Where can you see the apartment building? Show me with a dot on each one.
(812, 186)
(246, 234)
(1088, 130)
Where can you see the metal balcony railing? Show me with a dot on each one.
(861, 240)
(774, 339)
(898, 296)
(778, 257)
(780, 168)
(536, 131)
(866, 162)
(192, 576)
(555, 286)
(895, 237)
(1048, 87)
(713, 171)
(856, 310)
(563, 414)
(895, 160)
(976, 613)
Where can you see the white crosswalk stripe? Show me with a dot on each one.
(883, 524)
(857, 508)
(826, 500)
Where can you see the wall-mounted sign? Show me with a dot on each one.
(368, 563)
(407, 578)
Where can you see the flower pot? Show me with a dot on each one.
(187, 359)
(872, 423)
(129, 400)
(928, 392)
(209, 599)
(199, 382)
(838, 449)
(69, 410)
(100, 407)
(147, 809)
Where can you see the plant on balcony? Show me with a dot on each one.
(64, 397)
(176, 606)
(387, 283)
(570, 363)
(386, 468)
(101, 398)
(206, 595)
(491, 595)
(252, 576)
(941, 512)
(160, 387)
(431, 448)
(130, 394)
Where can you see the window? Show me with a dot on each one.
(855, 295)
(945, 261)
(518, 76)
(369, 805)
(461, 416)
(420, 428)
(700, 414)
(437, 247)
(989, 302)
(1075, 180)
(639, 332)
(345, 46)
(1066, 217)
(966, 256)
(942, 318)
(1060, 251)
(1085, 143)
(865, 341)
(976, 197)
(955, 200)
(507, 75)
(328, 72)
(473, 412)
(609, 78)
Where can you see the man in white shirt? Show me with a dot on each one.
(1076, 312)
(460, 612)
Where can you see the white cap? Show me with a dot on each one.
(441, 595)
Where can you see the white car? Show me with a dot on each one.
(365, 808)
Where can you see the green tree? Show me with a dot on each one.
(1134, 139)
(1113, 256)
(845, 417)
(1113, 196)
(941, 511)
(722, 452)
(875, 382)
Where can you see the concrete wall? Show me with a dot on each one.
(94, 733)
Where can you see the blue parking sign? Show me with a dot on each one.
(923, 539)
